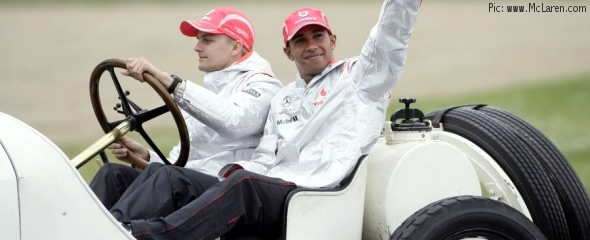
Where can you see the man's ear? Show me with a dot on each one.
(333, 41)
(287, 51)
(237, 48)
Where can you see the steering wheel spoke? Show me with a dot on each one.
(151, 143)
(135, 107)
(151, 114)
(122, 96)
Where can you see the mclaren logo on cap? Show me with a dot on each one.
(242, 32)
(303, 13)
(285, 29)
(206, 17)
(286, 101)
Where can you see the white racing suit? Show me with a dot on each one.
(225, 118)
(316, 132)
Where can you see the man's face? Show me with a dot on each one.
(312, 50)
(216, 51)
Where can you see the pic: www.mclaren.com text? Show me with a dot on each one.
(536, 7)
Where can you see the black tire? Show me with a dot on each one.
(519, 163)
(467, 216)
(569, 188)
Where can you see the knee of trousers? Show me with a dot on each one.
(154, 167)
(168, 174)
(240, 175)
(111, 169)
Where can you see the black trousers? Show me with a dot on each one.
(111, 181)
(177, 203)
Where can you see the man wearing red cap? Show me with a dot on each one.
(227, 114)
(317, 128)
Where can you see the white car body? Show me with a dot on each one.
(44, 196)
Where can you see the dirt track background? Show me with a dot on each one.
(48, 52)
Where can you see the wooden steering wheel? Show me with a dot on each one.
(134, 115)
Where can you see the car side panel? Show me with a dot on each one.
(9, 208)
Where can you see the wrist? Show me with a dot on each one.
(145, 154)
(174, 84)
(163, 77)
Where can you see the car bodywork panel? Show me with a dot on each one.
(53, 200)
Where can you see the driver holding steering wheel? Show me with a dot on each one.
(225, 117)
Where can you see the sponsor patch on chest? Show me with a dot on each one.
(287, 120)
(252, 92)
(321, 98)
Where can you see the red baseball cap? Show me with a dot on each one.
(301, 18)
(228, 21)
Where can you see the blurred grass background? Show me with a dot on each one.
(566, 99)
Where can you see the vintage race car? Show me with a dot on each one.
(465, 172)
